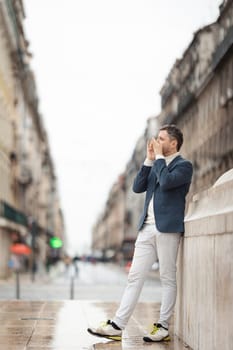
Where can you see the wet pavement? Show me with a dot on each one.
(105, 282)
(61, 325)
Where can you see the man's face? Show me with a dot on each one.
(168, 144)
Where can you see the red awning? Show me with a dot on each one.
(20, 248)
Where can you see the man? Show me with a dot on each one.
(166, 178)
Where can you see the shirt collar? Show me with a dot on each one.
(170, 158)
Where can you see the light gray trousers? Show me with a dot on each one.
(150, 246)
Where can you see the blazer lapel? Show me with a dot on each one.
(170, 167)
(174, 162)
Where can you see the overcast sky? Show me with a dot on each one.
(99, 67)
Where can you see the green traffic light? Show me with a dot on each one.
(55, 242)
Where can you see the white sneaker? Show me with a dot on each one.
(158, 333)
(107, 330)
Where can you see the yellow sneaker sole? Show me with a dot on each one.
(111, 337)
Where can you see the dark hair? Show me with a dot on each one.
(174, 133)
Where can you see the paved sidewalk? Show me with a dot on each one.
(61, 325)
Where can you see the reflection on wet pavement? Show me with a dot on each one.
(61, 325)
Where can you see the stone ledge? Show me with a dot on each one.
(210, 211)
(209, 225)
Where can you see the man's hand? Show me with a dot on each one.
(150, 150)
(157, 147)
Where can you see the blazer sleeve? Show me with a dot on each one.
(141, 180)
(181, 174)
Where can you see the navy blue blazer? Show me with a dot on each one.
(170, 185)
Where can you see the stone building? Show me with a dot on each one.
(197, 96)
(28, 188)
(109, 229)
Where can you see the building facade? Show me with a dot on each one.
(28, 186)
(109, 229)
(197, 96)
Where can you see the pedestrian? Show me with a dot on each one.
(165, 176)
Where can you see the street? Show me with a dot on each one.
(43, 319)
(102, 282)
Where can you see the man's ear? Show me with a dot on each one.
(174, 143)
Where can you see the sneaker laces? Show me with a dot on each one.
(105, 323)
(154, 329)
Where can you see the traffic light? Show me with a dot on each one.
(55, 242)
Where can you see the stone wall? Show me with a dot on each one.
(204, 308)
